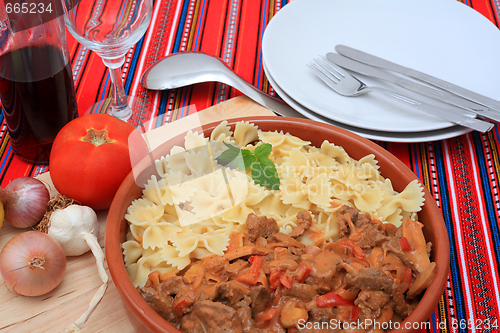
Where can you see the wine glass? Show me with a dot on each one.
(110, 28)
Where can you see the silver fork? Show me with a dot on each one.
(346, 84)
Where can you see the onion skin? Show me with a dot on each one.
(37, 248)
(25, 201)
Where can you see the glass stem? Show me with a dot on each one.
(119, 107)
(119, 96)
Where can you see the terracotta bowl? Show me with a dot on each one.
(390, 167)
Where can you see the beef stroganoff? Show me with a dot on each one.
(197, 209)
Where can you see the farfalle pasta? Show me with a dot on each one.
(191, 210)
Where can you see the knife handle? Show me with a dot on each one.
(425, 78)
(432, 93)
(454, 89)
(456, 118)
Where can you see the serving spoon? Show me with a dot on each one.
(186, 68)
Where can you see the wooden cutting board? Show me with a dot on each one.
(58, 309)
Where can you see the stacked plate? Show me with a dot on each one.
(443, 38)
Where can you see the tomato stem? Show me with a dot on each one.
(96, 137)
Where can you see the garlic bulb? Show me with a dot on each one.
(76, 228)
(68, 225)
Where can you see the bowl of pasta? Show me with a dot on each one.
(275, 224)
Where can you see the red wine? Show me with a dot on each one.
(38, 99)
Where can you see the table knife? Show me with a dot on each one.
(417, 87)
(447, 86)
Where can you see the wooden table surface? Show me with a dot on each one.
(58, 309)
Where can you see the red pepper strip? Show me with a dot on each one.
(332, 299)
(183, 304)
(405, 245)
(265, 315)
(251, 275)
(286, 280)
(355, 313)
(302, 272)
(274, 278)
(405, 284)
(356, 250)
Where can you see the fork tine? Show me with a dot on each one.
(320, 72)
(319, 68)
(337, 71)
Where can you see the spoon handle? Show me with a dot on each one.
(262, 98)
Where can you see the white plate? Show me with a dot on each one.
(404, 137)
(444, 38)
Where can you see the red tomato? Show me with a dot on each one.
(90, 158)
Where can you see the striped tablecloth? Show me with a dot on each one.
(462, 173)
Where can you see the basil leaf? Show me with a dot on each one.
(232, 158)
(248, 158)
(265, 174)
(263, 151)
(263, 171)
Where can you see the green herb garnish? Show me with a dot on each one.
(263, 171)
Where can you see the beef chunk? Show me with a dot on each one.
(304, 222)
(320, 314)
(261, 299)
(162, 304)
(302, 291)
(247, 322)
(230, 292)
(362, 220)
(172, 286)
(245, 301)
(375, 279)
(260, 226)
(393, 245)
(371, 236)
(371, 279)
(191, 324)
(401, 306)
(287, 241)
(371, 302)
(208, 316)
(358, 219)
(343, 228)
(207, 292)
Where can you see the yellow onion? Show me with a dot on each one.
(32, 263)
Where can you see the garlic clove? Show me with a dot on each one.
(68, 225)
